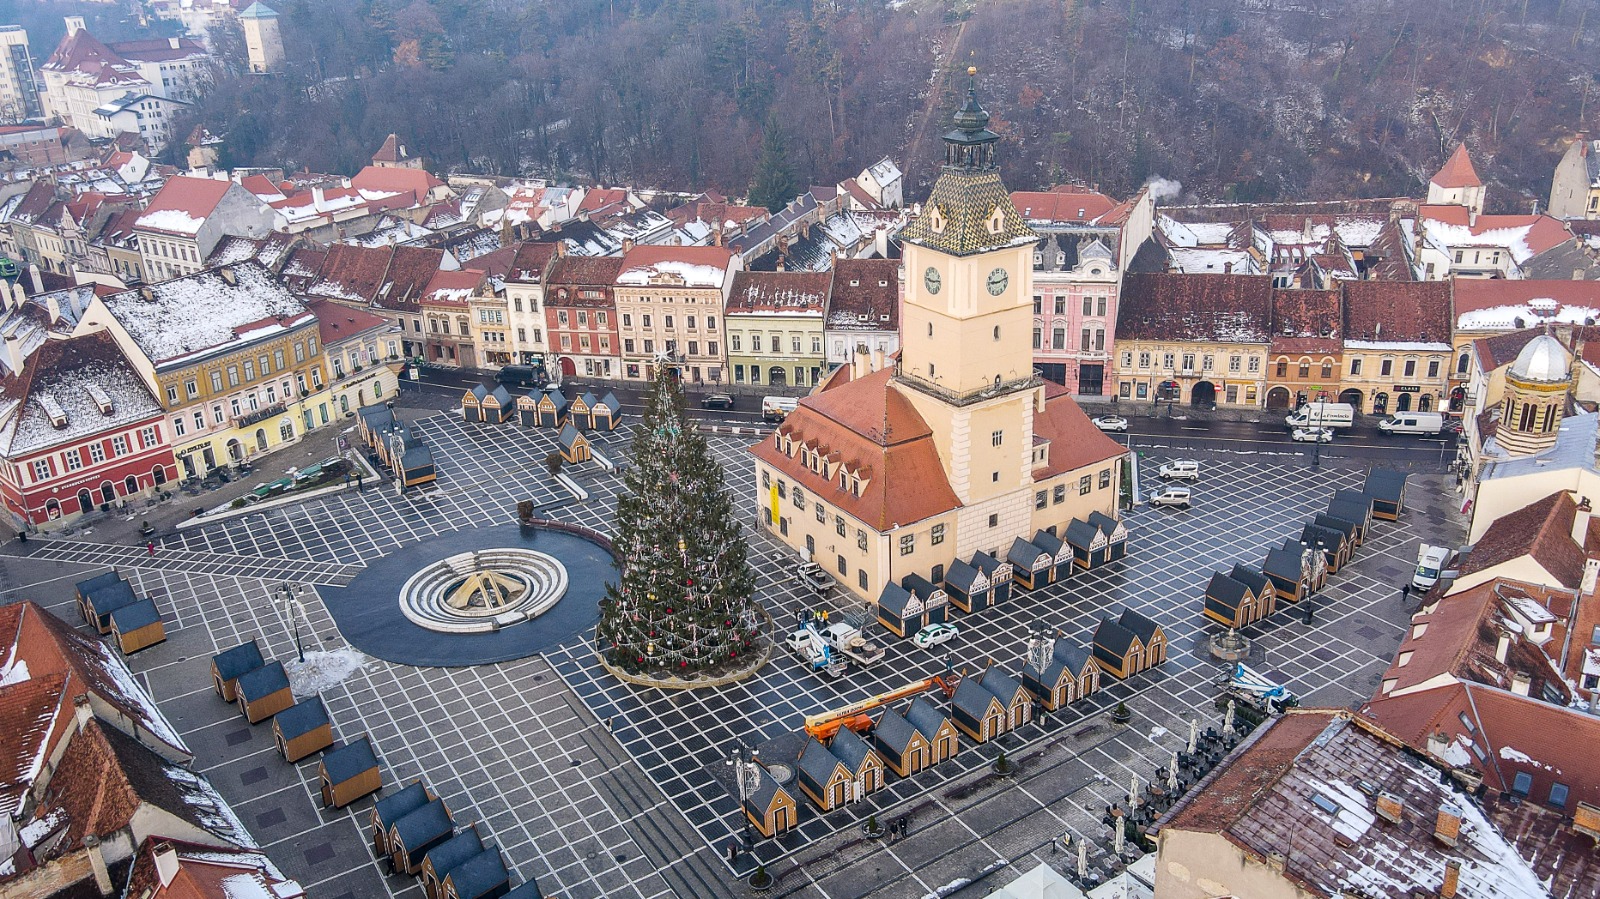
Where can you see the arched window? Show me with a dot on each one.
(130, 485)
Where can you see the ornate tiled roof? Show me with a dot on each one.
(956, 218)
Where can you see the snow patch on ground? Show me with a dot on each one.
(322, 670)
(1157, 733)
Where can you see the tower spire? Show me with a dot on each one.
(970, 147)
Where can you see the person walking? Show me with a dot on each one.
(151, 546)
(1405, 592)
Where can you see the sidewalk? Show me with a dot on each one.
(122, 526)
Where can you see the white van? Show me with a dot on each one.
(1322, 415)
(1430, 565)
(1429, 423)
(1180, 470)
(777, 408)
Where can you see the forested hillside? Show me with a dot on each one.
(1235, 99)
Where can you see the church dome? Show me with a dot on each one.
(1544, 360)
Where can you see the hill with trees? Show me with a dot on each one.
(1235, 99)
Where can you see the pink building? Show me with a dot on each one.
(1087, 241)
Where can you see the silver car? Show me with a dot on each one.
(1171, 495)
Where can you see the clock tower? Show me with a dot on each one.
(966, 345)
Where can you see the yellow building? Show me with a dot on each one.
(959, 447)
(1397, 350)
(1200, 340)
(229, 352)
(774, 325)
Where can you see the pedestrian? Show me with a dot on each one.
(151, 546)
(1405, 593)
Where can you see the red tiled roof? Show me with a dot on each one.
(156, 49)
(1502, 349)
(452, 288)
(206, 872)
(1541, 232)
(867, 287)
(413, 184)
(600, 197)
(1223, 308)
(1066, 203)
(390, 151)
(531, 261)
(195, 197)
(1457, 171)
(1303, 314)
(585, 271)
(1541, 530)
(773, 292)
(1472, 294)
(1252, 774)
(29, 714)
(1074, 440)
(337, 322)
(1397, 311)
(871, 428)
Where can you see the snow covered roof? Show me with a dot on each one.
(1307, 782)
(204, 314)
(69, 390)
(210, 872)
(677, 266)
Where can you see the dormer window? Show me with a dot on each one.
(997, 221)
(101, 398)
(52, 408)
(936, 220)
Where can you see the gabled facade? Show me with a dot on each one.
(863, 309)
(670, 302)
(774, 324)
(79, 431)
(186, 220)
(580, 317)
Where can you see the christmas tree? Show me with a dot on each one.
(683, 605)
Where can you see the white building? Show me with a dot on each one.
(84, 76)
(19, 87)
(188, 218)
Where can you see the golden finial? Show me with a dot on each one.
(972, 70)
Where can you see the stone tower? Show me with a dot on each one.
(1536, 397)
(261, 38)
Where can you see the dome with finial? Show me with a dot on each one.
(1543, 360)
(972, 117)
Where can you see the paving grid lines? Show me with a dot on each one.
(647, 806)
(682, 740)
(117, 556)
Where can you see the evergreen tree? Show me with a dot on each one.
(684, 602)
(773, 186)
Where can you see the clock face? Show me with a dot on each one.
(998, 279)
(931, 280)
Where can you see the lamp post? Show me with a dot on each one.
(290, 593)
(744, 778)
(1316, 438)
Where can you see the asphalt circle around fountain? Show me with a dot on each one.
(369, 617)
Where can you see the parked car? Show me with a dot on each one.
(521, 375)
(1111, 423)
(1180, 470)
(1308, 435)
(717, 401)
(934, 635)
(1170, 495)
(1427, 424)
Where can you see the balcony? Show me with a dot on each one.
(259, 415)
(970, 395)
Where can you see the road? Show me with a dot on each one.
(1183, 430)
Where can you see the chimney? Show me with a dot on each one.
(1591, 573)
(97, 864)
(54, 305)
(1227, 268)
(627, 245)
(1472, 218)
(1502, 645)
(1580, 523)
(166, 862)
(1521, 683)
(172, 43)
(1452, 879)
(229, 276)
(74, 25)
(35, 280)
(561, 248)
(877, 359)
(1447, 826)
(1305, 230)
(1577, 274)
(716, 236)
(81, 709)
(861, 362)
(14, 356)
(316, 197)
(1389, 807)
(1276, 861)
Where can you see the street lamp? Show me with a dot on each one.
(1316, 437)
(291, 596)
(745, 776)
